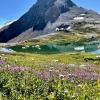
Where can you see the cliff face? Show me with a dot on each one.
(38, 18)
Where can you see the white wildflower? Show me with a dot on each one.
(61, 75)
(50, 70)
(73, 96)
(79, 85)
(65, 91)
(8, 65)
(55, 60)
(51, 67)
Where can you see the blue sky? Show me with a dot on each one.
(89, 4)
(13, 9)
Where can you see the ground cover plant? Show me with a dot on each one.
(66, 76)
(35, 72)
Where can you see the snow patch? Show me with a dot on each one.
(78, 18)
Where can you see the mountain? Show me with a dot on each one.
(43, 17)
(7, 24)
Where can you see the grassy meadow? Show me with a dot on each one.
(45, 75)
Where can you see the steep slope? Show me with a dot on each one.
(37, 17)
(42, 18)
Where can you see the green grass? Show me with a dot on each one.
(27, 86)
(26, 59)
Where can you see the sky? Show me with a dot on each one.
(89, 4)
(14, 9)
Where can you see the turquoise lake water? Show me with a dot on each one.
(54, 48)
(91, 47)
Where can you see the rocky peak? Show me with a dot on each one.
(38, 17)
(67, 3)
